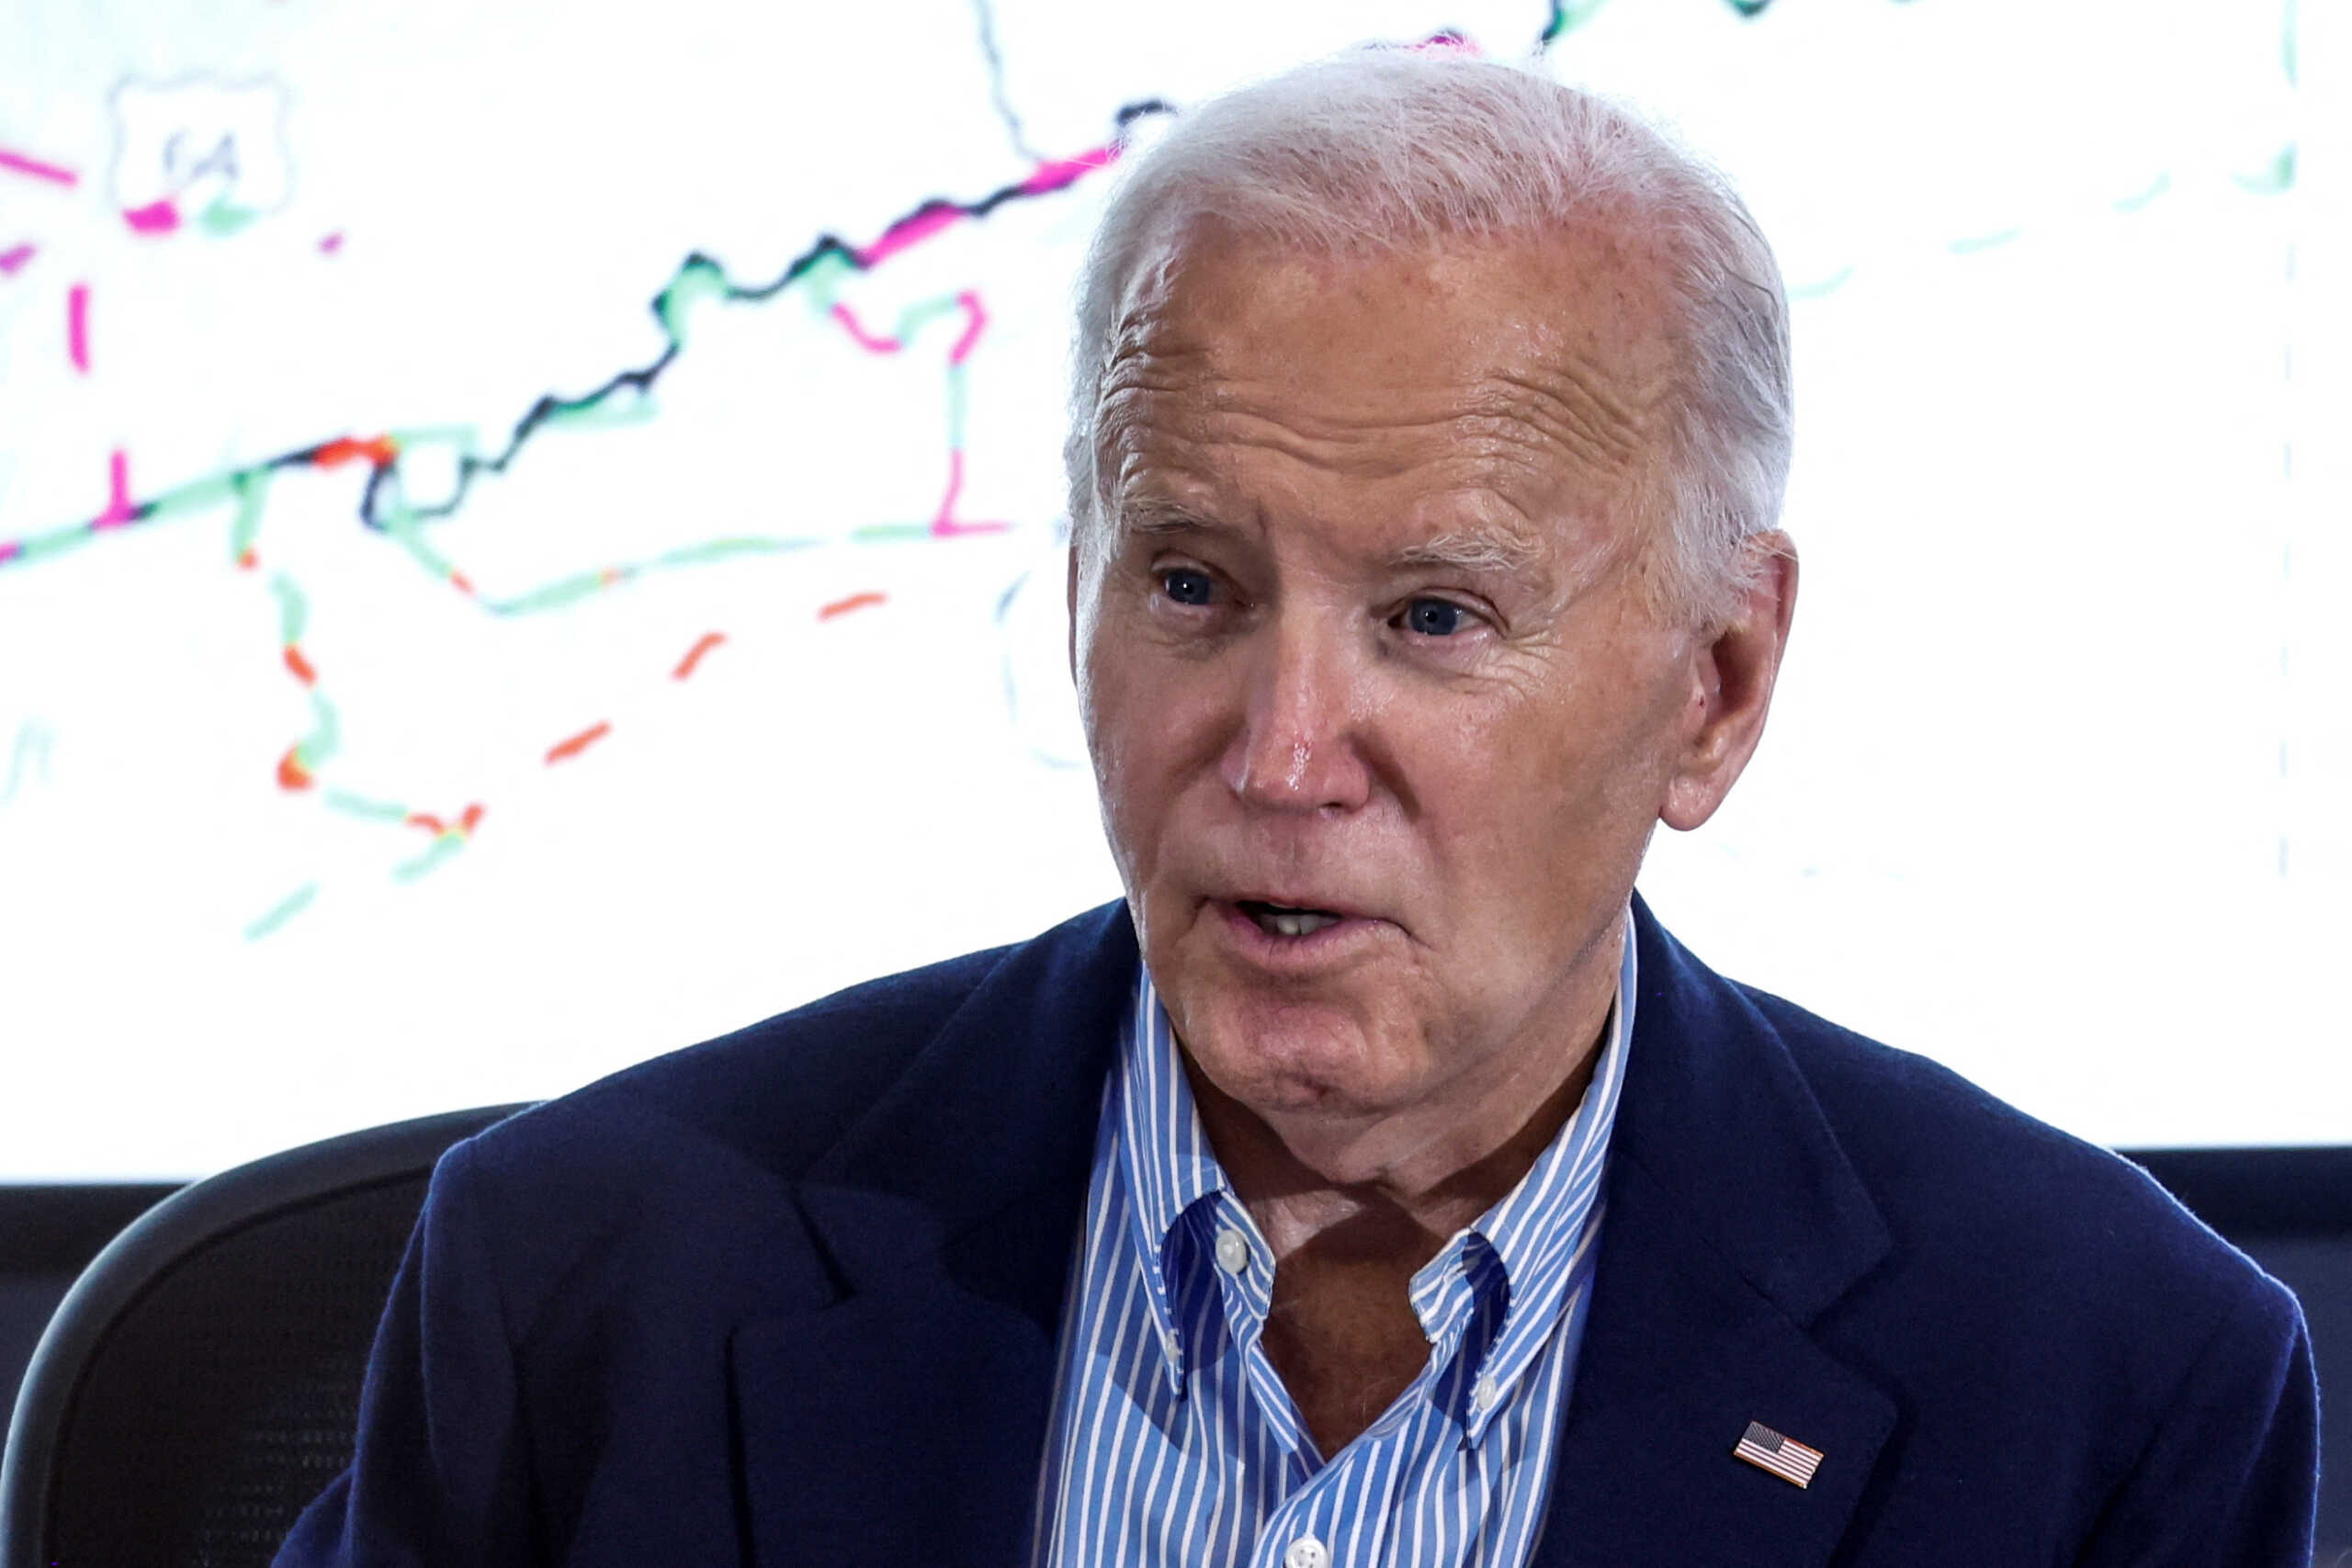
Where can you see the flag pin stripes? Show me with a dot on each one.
(1784, 1457)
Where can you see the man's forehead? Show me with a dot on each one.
(1492, 384)
(1591, 291)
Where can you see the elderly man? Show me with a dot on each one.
(1416, 1200)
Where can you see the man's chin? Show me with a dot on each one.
(1287, 1058)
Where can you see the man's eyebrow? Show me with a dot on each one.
(1153, 519)
(1464, 549)
(1473, 550)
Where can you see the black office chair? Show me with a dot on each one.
(199, 1383)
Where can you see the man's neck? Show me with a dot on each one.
(1341, 1329)
(1403, 1214)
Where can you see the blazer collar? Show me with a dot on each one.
(1734, 1222)
(904, 1421)
(1717, 1113)
(997, 1111)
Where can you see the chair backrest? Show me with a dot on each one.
(199, 1383)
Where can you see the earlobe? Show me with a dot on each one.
(1733, 677)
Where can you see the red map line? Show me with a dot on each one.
(855, 602)
(703, 645)
(571, 747)
(436, 827)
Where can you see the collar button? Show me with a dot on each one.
(1233, 1256)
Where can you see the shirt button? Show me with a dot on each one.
(1233, 1257)
(1483, 1397)
(1175, 1346)
(1305, 1553)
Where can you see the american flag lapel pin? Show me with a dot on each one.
(1784, 1457)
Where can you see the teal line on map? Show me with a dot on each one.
(29, 758)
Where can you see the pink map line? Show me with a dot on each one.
(976, 321)
(1045, 180)
(24, 163)
(12, 259)
(155, 217)
(121, 508)
(859, 335)
(77, 326)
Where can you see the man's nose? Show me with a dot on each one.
(1298, 746)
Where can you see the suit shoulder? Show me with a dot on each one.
(782, 1090)
(632, 1179)
(1966, 1176)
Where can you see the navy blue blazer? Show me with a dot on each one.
(791, 1297)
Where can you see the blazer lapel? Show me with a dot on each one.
(1732, 1221)
(904, 1421)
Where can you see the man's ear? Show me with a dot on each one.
(1731, 687)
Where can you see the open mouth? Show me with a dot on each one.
(1280, 919)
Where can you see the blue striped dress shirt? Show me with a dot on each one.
(1173, 1440)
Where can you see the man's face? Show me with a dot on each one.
(1379, 713)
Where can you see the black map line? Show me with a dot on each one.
(986, 12)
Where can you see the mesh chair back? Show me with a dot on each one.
(200, 1384)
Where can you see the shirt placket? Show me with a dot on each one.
(1236, 1255)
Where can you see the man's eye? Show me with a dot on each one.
(1435, 617)
(1187, 586)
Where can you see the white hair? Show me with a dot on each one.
(1382, 149)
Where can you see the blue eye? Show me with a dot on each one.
(1187, 586)
(1434, 617)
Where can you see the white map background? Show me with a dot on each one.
(2052, 791)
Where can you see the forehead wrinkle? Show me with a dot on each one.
(1499, 415)
(1575, 408)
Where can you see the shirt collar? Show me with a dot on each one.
(1540, 1234)
(1165, 1152)
(1543, 1232)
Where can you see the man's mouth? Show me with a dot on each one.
(1282, 919)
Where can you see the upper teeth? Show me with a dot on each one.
(1299, 922)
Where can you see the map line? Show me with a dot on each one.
(38, 168)
(997, 96)
(77, 326)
